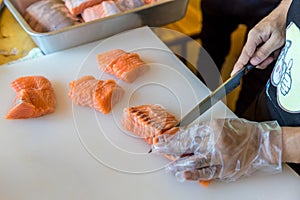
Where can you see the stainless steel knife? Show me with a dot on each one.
(215, 96)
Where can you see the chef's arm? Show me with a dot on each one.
(286, 4)
(291, 144)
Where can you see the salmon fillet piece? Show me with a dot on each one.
(104, 9)
(150, 1)
(125, 66)
(76, 7)
(49, 15)
(148, 121)
(125, 5)
(98, 94)
(34, 97)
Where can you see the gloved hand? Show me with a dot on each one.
(222, 149)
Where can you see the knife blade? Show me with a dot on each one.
(215, 96)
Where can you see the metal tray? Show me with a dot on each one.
(157, 14)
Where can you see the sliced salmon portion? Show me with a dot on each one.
(154, 139)
(148, 121)
(49, 15)
(125, 66)
(31, 82)
(106, 59)
(125, 5)
(34, 97)
(104, 9)
(98, 94)
(76, 7)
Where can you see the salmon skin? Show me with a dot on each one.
(125, 66)
(104, 9)
(76, 7)
(125, 5)
(34, 97)
(148, 122)
(98, 94)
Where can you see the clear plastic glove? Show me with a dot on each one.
(223, 149)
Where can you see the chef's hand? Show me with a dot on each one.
(222, 149)
(265, 39)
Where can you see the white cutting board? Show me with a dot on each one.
(77, 153)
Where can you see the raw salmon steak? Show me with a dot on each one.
(125, 66)
(148, 121)
(125, 5)
(76, 7)
(105, 9)
(49, 15)
(34, 97)
(98, 94)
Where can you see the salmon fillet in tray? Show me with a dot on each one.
(49, 15)
(125, 5)
(76, 7)
(104, 9)
(150, 1)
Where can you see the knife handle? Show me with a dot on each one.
(248, 67)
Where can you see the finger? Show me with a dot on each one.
(249, 48)
(185, 141)
(169, 144)
(203, 174)
(264, 51)
(265, 63)
(188, 163)
(269, 60)
(242, 60)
